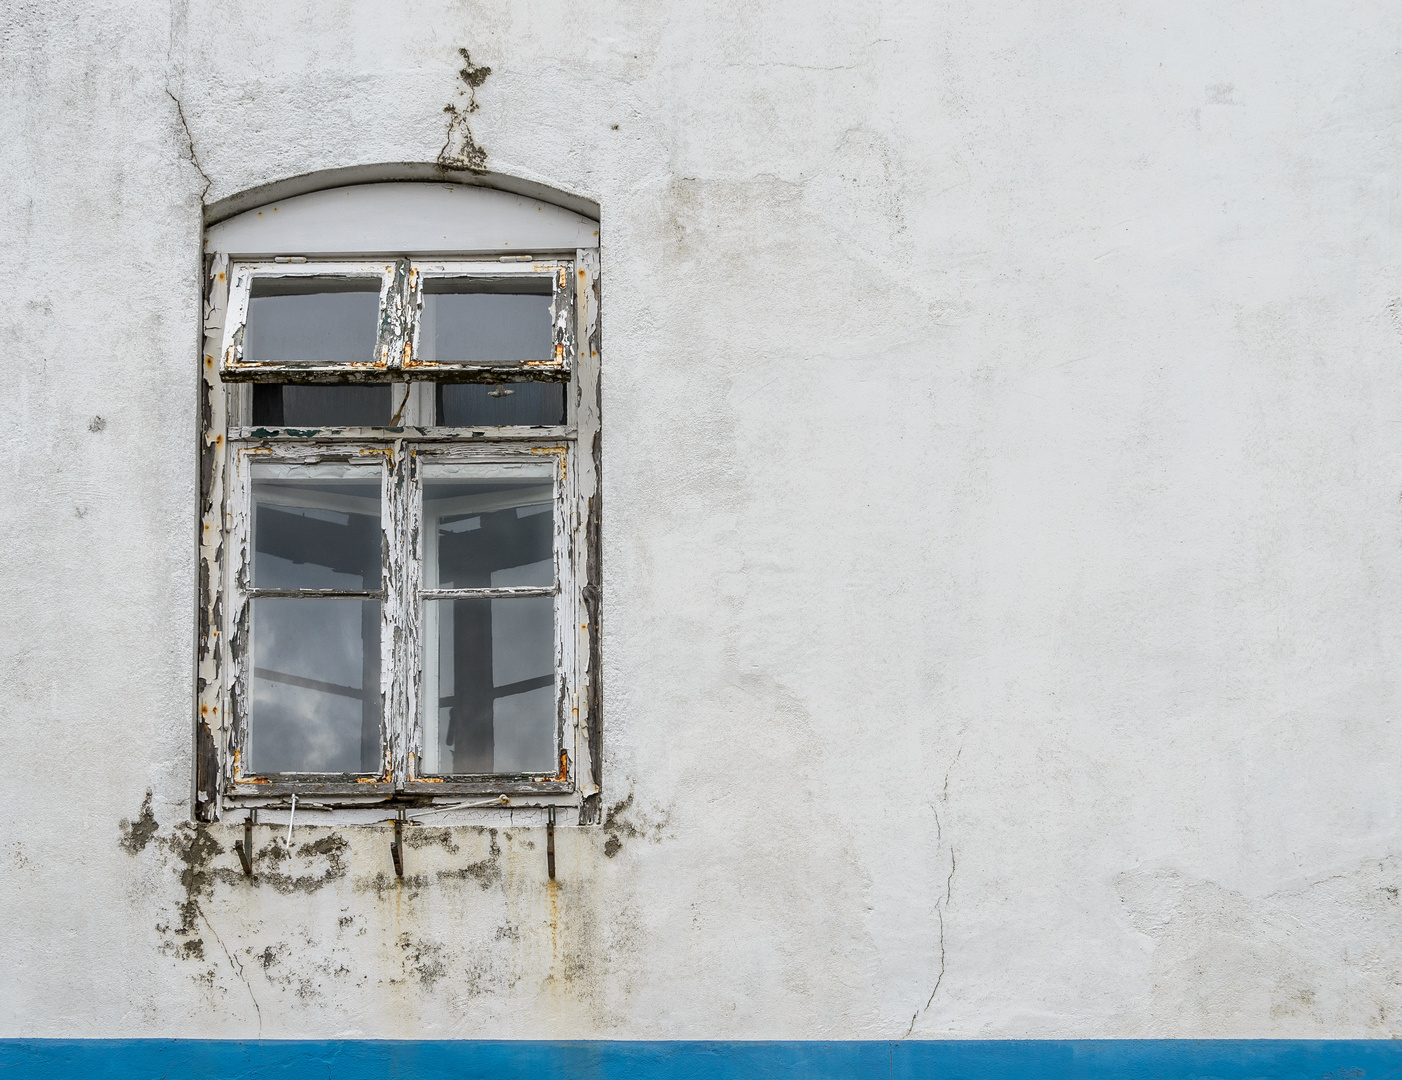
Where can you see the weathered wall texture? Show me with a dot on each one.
(1003, 447)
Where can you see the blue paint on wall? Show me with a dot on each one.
(1166, 1059)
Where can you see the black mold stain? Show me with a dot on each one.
(424, 959)
(194, 847)
(618, 827)
(137, 834)
(422, 838)
(486, 872)
(331, 847)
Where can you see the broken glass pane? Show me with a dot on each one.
(315, 686)
(522, 403)
(491, 666)
(312, 320)
(484, 320)
(293, 405)
(316, 527)
(488, 526)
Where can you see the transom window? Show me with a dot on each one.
(400, 529)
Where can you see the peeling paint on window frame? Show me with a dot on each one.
(401, 302)
(228, 444)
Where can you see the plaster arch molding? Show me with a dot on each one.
(344, 214)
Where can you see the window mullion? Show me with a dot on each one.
(401, 629)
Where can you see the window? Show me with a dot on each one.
(399, 547)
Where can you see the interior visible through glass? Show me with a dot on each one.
(314, 692)
(522, 403)
(481, 320)
(494, 706)
(489, 531)
(314, 406)
(312, 320)
(489, 661)
(316, 527)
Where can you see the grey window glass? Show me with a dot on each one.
(316, 527)
(312, 320)
(314, 406)
(491, 532)
(315, 686)
(494, 709)
(527, 404)
(468, 320)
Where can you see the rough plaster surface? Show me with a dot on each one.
(1003, 545)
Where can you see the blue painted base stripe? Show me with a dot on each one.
(1014, 1059)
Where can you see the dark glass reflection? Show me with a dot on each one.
(316, 532)
(523, 403)
(495, 706)
(312, 320)
(489, 533)
(467, 320)
(291, 405)
(315, 691)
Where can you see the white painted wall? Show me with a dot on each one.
(1003, 446)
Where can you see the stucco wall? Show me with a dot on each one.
(1003, 544)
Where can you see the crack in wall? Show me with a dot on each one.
(940, 904)
(190, 145)
(238, 969)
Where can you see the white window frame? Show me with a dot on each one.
(401, 303)
(230, 443)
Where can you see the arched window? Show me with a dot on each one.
(399, 550)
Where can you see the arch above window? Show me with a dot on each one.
(404, 217)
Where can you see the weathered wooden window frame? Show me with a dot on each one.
(231, 443)
(401, 303)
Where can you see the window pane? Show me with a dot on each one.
(522, 403)
(490, 530)
(312, 320)
(316, 527)
(291, 405)
(493, 665)
(484, 320)
(315, 687)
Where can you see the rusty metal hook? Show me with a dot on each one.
(245, 846)
(550, 842)
(396, 847)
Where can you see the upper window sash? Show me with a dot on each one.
(367, 321)
(512, 296)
